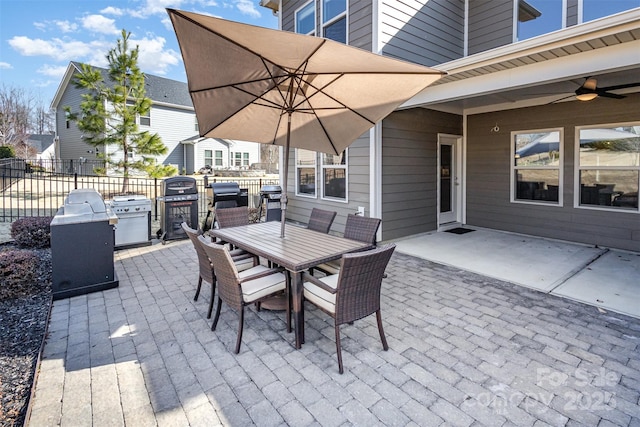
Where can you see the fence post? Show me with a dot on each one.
(75, 180)
(155, 197)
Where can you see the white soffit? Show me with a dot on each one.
(601, 46)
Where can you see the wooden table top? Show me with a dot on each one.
(299, 250)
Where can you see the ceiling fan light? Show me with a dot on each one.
(586, 96)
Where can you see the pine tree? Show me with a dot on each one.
(108, 113)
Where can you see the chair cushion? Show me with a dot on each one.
(253, 290)
(244, 264)
(252, 270)
(320, 297)
(331, 267)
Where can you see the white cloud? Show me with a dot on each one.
(99, 24)
(66, 26)
(52, 70)
(61, 49)
(248, 7)
(42, 26)
(154, 58)
(115, 11)
(5, 66)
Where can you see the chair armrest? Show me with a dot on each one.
(242, 256)
(306, 277)
(262, 274)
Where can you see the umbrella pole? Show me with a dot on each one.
(283, 198)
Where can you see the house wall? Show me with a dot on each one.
(572, 13)
(490, 24)
(173, 125)
(488, 175)
(426, 32)
(357, 188)
(360, 24)
(71, 145)
(409, 169)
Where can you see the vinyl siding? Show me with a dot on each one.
(490, 24)
(288, 14)
(360, 24)
(299, 208)
(409, 164)
(71, 145)
(572, 13)
(424, 32)
(488, 175)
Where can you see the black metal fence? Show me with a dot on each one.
(28, 191)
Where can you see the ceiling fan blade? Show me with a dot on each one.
(561, 99)
(616, 87)
(604, 94)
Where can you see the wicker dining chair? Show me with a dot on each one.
(353, 293)
(240, 289)
(206, 273)
(232, 217)
(321, 220)
(360, 228)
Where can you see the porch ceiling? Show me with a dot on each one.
(540, 70)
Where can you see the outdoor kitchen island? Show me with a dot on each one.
(82, 243)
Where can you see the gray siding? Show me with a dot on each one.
(490, 24)
(360, 24)
(299, 208)
(488, 175)
(288, 13)
(409, 164)
(71, 145)
(572, 13)
(425, 32)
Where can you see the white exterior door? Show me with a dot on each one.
(449, 179)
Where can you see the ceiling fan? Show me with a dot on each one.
(590, 90)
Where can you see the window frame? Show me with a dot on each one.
(578, 168)
(315, 173)
(324, 167)
(328, 23)
(216, 158)
(514, 168)
(208, 158)
(295, 17)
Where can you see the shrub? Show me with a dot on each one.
(18, 275)
(7, 152)
(32, 232)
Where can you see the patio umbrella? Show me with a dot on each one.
(276, 87)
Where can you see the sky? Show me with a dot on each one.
(38, 38)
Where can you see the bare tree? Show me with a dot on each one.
(16, 106)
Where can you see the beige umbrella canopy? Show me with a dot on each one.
(275, 87)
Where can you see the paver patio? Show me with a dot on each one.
(464, 350)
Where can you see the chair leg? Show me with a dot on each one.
(339, 349)
(198, 288)
(385, 346)
(240, 325)
(215, 319)
(213, 291)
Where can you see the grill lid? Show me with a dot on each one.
(270, 189)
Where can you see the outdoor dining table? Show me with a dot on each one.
(298, 251)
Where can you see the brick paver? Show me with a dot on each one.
(464, 350)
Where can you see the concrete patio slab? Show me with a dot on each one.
(612, 282)
(465, 350)
(537, 263)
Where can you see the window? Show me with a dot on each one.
(240, 159)
(608, 161)
(537, 17)
(334, 176)
(208, 157)
(67, 119)
(305, 173)
(594, 9)
(218, 159)
(306, 19)
(196, 126)
(334, 20)
(145, 118)
(536, 166)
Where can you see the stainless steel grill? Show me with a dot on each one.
(221, 195)
(270, 202)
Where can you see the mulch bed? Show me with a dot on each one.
(23, 324)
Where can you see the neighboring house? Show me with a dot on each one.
(171, 116)
(219, 153)
(44, 146)
(490, 144)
